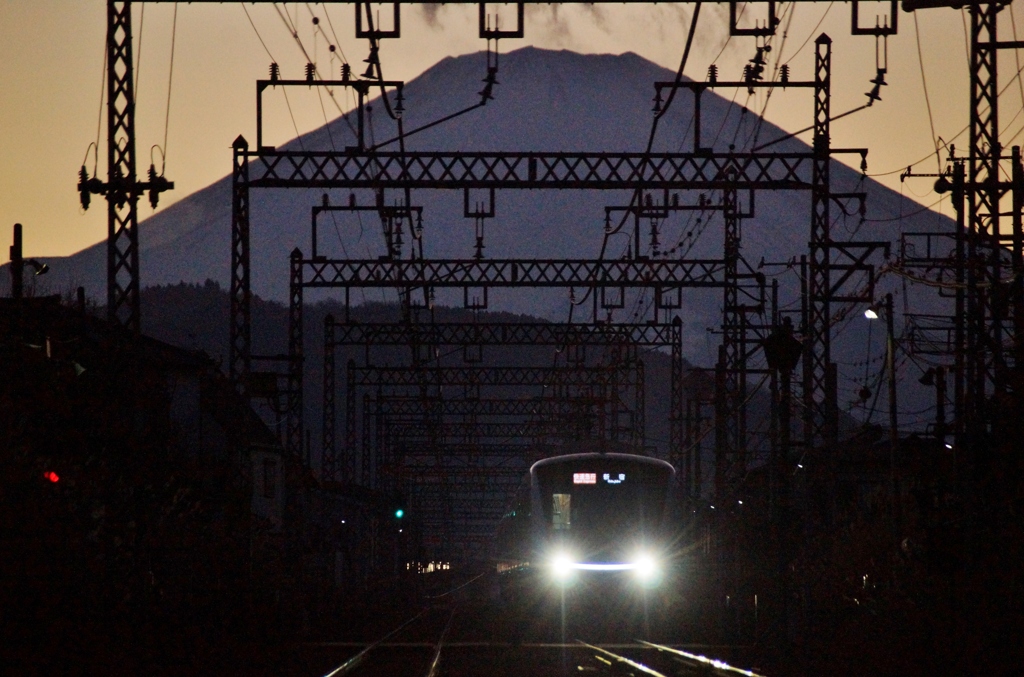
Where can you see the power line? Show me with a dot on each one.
(170, 79)
(927, 100)
(267, 49)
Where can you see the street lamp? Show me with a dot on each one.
(890, 367)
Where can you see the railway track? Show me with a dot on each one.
(503, 659)
(655, 660)
(464, 633)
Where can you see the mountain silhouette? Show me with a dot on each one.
(545, 101)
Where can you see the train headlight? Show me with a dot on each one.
(561, 566)
(646, 568)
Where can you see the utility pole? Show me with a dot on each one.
(894, 435)
(122, 189)
(17, 265)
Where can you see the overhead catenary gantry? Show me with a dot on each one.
(370, 168)
(122, 188)
(979, 264)
(573, 338)
(701, 170)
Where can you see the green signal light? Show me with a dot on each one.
(399, 513)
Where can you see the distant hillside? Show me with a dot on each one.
(204, 327)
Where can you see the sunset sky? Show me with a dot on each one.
(52, 57)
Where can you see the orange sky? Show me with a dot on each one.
(52, 56)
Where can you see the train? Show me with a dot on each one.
(588, 517)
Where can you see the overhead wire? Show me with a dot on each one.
(170, 79)
(292, 29)
(284, 90)
(138, 53)
(256, 31)
(330, 136)
(343, 58)
(751, 141)
(1016, 56)
(99, 118)
(947, 143)
(327, 15)
(635, 199)
(927, 99)
(967, 40)
(813, 32)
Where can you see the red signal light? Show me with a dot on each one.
(52, 476)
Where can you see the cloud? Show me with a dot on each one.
(430, 10)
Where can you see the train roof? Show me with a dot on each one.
(633, 458)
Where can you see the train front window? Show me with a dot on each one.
(561, 511)
(605, 500)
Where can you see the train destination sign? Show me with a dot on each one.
(591, 478)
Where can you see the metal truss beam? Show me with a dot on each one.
(122, 195)
(730, 457)
(328, 456)
(474, 273)
(527, 171)
(502, 333)
(548, 406)
(820, 408)
(239, 362)
(413, 430)
(988, 307)
(392, 377)
(296, 350)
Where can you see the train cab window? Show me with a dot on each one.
(561, 511)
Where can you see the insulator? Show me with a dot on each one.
(275, 72)
(784, 73)
(747, 72)
(331, 49)
(486, 93)
(310, 72)
(713, 73)
(316, 21)
(373, 60)
(399, 108)
(83, 191)
(346, 72)
(154, 191)
(657, 101)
